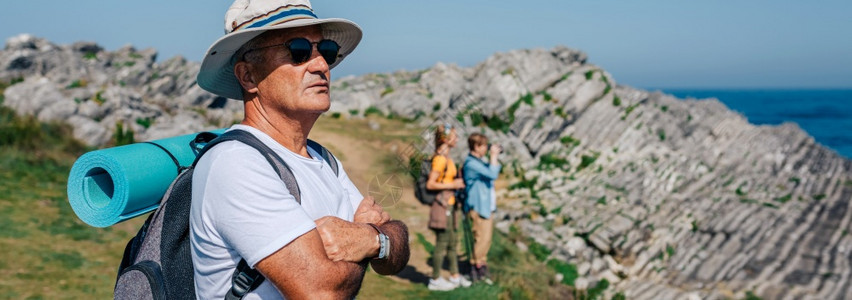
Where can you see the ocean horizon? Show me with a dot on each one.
(825, 114)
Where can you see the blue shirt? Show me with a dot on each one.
(479, 179)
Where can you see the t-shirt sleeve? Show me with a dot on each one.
(250, 207)
(439, 163)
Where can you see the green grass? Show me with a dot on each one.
(428, 246)
(122, 136)
(47, 252)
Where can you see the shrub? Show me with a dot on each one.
(528, 99)
(785, 198)
(549, 161)
(372, 110)
(335, 115)
(146, 122)
(586, 160)
(476, 118)
(595, 292)
(99, 98)
(569, 141)
(387, 90)
(353, 112)
(589, 74)
(497, 124)
(76, 84)
(616, 101)
(628, 110)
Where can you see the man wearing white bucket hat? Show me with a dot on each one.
(276, 56)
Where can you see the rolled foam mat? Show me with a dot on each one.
(111, 185)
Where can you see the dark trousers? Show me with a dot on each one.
(445, 245)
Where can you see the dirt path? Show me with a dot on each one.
(369, 159)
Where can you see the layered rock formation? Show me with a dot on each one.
(663, 198)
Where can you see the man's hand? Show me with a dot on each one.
(370, 212)
(347, 241)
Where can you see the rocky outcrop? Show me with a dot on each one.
(663, 198)
(94, 90)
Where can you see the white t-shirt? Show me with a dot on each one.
(241, 209)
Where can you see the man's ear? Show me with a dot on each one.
(243, 71)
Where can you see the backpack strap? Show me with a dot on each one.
(277, 163)
(326, 155)
(245, 280)
(172, 156)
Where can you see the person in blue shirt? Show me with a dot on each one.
(479, 173)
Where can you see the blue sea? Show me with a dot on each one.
(826, 114)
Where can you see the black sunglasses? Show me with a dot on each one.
(301, 50)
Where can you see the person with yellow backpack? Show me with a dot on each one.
(443, 213)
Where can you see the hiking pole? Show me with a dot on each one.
(468, 245)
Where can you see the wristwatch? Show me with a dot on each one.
(384, 242)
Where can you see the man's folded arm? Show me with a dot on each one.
(398, 253)
(301, 270)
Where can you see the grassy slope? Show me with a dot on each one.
(47, 252)
(50, 254)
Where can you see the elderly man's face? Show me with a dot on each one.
(294, 88)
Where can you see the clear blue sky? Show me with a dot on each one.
(649, 44)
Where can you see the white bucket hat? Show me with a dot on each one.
(246, 19)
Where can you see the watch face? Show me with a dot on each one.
(384, 246)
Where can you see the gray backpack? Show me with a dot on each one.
(157, 263)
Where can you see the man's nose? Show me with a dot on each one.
(317, 62)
